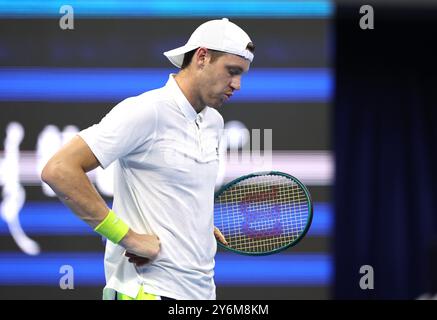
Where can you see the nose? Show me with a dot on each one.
(236, 83)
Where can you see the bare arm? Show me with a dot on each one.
(65, 173)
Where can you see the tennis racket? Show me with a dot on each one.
(263, 213)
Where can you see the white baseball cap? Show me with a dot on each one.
(221, 35)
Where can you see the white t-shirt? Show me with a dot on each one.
(165, 171)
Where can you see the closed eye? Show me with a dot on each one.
(235, 71)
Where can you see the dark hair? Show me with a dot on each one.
(187, 58)
(251, 47)
(214, 55)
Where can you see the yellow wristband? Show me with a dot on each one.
(112, 227)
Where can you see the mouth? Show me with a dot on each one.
(228, 96)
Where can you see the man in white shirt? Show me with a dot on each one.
(164, 144)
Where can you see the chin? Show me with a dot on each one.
(216, 104)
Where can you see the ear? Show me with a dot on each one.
(202, 57)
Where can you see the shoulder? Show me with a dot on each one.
(155, 96)
(143, 105)
(149, 98)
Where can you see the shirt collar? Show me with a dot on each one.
(182, 101)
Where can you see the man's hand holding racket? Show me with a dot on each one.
(219, 236)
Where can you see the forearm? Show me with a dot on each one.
(65, 173)
(75, 190)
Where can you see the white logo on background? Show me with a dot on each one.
(67, 280)
(366, 281)
(14, 195)
(366, 21)
(241, 147)
(67, 20)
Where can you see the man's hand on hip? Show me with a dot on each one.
(141, 245)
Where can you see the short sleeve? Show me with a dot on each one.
(129, 127)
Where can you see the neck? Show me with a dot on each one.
(187, 84)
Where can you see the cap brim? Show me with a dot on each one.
(176, 56)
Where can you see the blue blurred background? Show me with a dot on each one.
(351, 112)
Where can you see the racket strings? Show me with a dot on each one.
(262, 213)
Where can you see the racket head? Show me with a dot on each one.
(239, 235)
